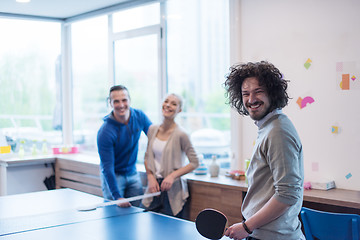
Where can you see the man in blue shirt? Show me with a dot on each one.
(118, 142)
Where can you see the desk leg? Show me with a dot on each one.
(3, 179)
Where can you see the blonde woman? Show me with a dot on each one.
(165, 161)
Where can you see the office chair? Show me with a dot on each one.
(330, 226)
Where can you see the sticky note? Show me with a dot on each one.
(298, 101)
(307, 64)
(5, 149)
(345, 83)
(302, 102)
(339, 66)
(306, 100)
(334, 129)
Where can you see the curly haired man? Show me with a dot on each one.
(276, 173)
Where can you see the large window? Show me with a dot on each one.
(90, 80)
(133, 43)
(174, 46)
(198, 59)
(135, 18)
(30, 106)
(136, 47)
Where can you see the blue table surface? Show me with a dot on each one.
(108, 223)
(28, 204)
(66, 217)
(144, 225)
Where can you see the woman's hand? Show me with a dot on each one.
(153, 185)
(167, 183)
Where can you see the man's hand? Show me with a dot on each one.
(236, 231)
(124, 205)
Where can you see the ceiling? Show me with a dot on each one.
(59, 9)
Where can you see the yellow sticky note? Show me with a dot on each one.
(5, 149)
(64, 150)
(334, 129)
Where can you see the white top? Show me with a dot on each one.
(158, 148)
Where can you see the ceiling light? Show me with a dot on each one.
(23, 1)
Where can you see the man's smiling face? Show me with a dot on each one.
(255, 98)
(120, 102)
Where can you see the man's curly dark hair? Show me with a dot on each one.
(268, 76)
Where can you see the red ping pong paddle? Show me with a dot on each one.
(211, 223)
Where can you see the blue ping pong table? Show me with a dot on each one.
(53, 215)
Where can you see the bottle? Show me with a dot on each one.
(44, 148)
(247, 163)
(202, 169)
(21, 149)
(214, 168)
(34, 149)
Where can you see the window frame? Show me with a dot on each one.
(156, 29)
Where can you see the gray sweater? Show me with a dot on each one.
(178, 145)
(276, 169)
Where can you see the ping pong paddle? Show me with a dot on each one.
(93, 207)
(211, 223)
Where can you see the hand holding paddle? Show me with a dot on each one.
(211, 223)
(238, 231)
(124, 204)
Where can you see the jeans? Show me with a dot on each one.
(129, 186)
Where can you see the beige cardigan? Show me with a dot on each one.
(178, 145)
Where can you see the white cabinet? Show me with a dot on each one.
(23, 175)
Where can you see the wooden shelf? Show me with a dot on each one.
(81, 172)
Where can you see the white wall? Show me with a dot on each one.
(287, 33)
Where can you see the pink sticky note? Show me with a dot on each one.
(306, 100)
(339, 66)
